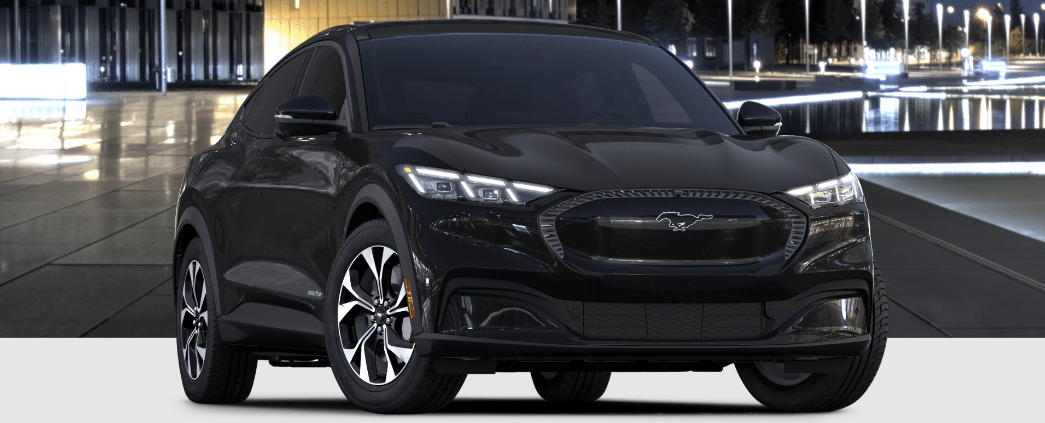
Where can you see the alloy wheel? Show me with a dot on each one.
(373, 318)
(194, 324)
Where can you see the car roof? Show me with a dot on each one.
(484, 26)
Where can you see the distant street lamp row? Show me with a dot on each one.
(982, 13)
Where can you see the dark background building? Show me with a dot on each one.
(211, 40)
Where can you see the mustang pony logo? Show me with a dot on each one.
(679, 222)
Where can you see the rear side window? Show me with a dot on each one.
(326, 77)
(276, 88)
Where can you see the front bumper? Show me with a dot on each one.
(483, 349)
(497, 251)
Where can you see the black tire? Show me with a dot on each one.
(571, 387)
(227, 373)
(827, 391)
(417, 388)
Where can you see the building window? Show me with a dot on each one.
(710, 49)
(691, 47)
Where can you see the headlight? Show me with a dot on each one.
(451, 185)
(834, 192)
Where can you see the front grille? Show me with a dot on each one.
(672, 322)
(685, 227)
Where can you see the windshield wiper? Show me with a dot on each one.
(411, 126)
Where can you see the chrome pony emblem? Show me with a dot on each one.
(679, 222)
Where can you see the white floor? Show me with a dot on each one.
(137, 380)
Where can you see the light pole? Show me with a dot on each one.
(1008, 20)
(729, 8)
(986, 16)
(163, 46)
(966, 28)
(1036, 20)
(906, 19)
(1023, 33)
(939, 19)
(863, 23)
(805, 49)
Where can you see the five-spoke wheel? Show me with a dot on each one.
(373, 318)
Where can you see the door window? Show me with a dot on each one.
(277, 87)
(326, 77)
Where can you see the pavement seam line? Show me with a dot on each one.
(919, 315)
(107, 319)
(52, 262)
(92, 198)
(973, 257)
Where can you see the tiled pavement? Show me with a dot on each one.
(86, 212)
(935, 292)
(86, 227)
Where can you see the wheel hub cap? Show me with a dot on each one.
(373, 319)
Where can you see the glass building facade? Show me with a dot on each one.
(118, 40)
(212, 40)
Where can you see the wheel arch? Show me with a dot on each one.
(374, 201)
(192, 225)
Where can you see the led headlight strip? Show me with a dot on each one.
(443, 184)
(832, 192)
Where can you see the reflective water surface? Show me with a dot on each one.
(916, 110)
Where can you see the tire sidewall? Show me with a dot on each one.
(364, 395)
(820, 388)
(195, 388)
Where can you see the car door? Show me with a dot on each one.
(302, 181)
(234, 211)
(259, 274)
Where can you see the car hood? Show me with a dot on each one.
(587, 158)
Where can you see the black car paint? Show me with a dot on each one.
(273, 213)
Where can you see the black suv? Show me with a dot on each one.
(412, 202)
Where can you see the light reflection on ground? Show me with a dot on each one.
(938, 109)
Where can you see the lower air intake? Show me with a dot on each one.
(673, 322)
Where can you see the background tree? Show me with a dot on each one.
(953, 41)
(597, 13)
(923, 30)
(892, 25)
(668, 21)
(877, 36)
(832, 20)
(1015, 8)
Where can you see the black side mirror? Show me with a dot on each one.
(307, 115)
(758, 119)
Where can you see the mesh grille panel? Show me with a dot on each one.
(672, 321)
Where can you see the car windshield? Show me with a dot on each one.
(497, 79)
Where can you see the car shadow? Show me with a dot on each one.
(527, 406)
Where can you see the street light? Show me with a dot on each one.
(729, 7)
(986, 16)
(966, 28)
(939, 17)
(863, 23)
(906, 19)
(805, 53)
(1036, 20)
(1008, 20)
(1023, 33)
